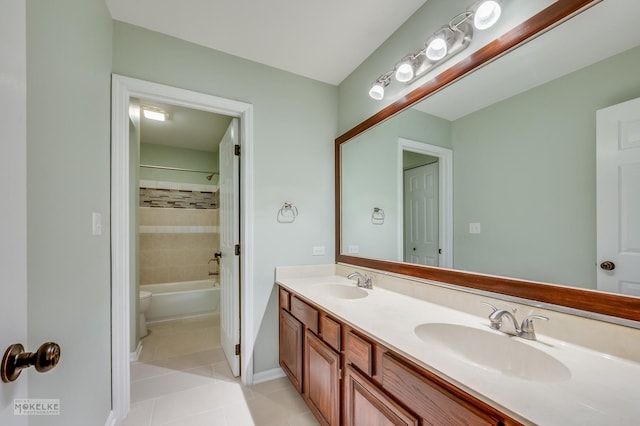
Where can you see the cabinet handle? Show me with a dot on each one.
(15, 359)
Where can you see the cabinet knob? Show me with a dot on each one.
(15, 359)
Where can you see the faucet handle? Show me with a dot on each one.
(526, 329)
(491, 306)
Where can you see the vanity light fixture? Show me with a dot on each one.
(377, 87)
(486, 13)
(156, 114)
(404, 69)
(446, 42)
(437, 47)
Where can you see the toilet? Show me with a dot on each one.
(145, 302)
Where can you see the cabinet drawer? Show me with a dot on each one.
(305, 313)
(284, 299)
(330, 331)
(431, 402)
(359, 353)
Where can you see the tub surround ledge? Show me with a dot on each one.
(603, 359)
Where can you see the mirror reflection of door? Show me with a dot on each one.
(421, 207)
(618, 198)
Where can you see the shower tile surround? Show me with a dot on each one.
(177, 242)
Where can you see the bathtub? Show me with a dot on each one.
(182, 299)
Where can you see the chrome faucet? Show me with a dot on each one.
(364, 281)
(524, 331)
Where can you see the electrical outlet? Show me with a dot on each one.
(353, 249)
(318, 250)
(474, 228)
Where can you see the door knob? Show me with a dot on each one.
(15, 359)
(608, 265)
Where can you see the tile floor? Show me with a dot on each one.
(182, 378)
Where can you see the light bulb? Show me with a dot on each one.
(404, 72)
(437, 49)
(154, 115)
(377, 91)
(487, 14)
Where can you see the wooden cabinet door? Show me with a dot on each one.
(366, 405)
(322, 380)
(291, 332)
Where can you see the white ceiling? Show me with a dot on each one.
(184, 128)
(323, 40)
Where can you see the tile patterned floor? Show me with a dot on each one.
(182, 378)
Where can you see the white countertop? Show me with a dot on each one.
(599, 390)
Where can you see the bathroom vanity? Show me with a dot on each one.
(391, 355)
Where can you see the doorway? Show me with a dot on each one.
(123, 90)
(437, 249)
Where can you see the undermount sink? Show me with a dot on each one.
(495, 352)
(339, 291)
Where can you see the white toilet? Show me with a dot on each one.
(145, 302)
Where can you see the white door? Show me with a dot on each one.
(618, 198)
(229, 238)
(421, 222)
(13, 177)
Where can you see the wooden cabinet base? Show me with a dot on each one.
(365, 404)
(322, 380)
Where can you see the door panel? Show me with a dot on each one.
(229, 237)
(13, 178)
(618, 197)
(421, 215)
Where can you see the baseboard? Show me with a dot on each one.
(133, 356)
(111, 420)
(265, 376)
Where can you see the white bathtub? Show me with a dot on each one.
(182, 299)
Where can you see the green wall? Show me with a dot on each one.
(168, 156)
(371, 180)
(294, 128)
(69, 44)
(525, 169)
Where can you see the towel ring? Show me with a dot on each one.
(287, 213)
(377, 217)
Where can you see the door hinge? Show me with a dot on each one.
(237, 249)
(340, 374)
(238, 349)
(236, 150)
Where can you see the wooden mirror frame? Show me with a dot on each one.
(608, 304)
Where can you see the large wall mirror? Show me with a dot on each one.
(491, 182)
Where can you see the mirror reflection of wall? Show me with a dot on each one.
(524, 170)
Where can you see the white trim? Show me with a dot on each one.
(123, 88)
(445, 160)
(133, 356)
(111, 419)
(265, 376)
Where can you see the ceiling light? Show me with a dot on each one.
(486, 14)
(404, 69)
(154, 114)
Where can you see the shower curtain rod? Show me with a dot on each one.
(177, 169)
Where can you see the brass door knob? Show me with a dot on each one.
(608, 265)
(15, 359)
